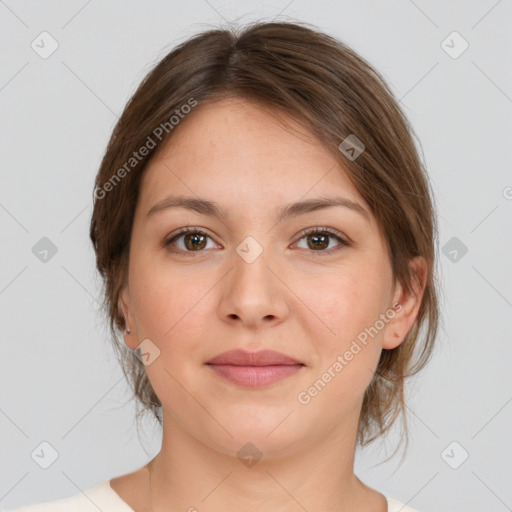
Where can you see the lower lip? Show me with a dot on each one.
(255, 376)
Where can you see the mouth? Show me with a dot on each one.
(255, 376)
(254, 369)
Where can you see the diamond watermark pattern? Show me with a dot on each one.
(249, 250)
(454, 45)
(249, 454)
(44, 249)
(44, 455)
(454, 455)
(454, 249)
(44, 45)
(148, 352)
(351, 147)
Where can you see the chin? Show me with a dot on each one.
(270, 437)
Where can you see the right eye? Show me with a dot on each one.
(193, 240)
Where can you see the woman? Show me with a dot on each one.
(266, 234)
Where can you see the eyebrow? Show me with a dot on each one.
(211, 208)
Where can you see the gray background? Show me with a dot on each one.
(60, 382)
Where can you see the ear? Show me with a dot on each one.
(406, 305)
(125, 305)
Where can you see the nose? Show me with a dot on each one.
(253, 293)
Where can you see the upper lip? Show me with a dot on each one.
(261, 358)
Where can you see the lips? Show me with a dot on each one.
(261, 358)
(254, 369)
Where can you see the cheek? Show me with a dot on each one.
(171, 311)
(346, 359)
(346, 322)
(170, 305)
(346, 302)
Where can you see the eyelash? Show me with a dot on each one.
(313, 231)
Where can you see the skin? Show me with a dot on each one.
(293, 298)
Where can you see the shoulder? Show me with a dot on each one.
(89, 500)
(397, 506)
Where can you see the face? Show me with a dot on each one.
(252, 280)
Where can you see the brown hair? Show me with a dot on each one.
(298, 70)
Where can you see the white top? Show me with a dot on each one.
(103, 497)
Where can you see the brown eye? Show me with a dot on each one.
(192, 240)
(318, 240)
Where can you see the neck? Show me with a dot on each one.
(188, 475)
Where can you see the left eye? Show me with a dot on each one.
(318, 239)
(195, 240)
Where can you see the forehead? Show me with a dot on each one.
(235, 150)
(235, 129)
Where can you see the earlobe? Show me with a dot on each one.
(407, 305)
(124, 306)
